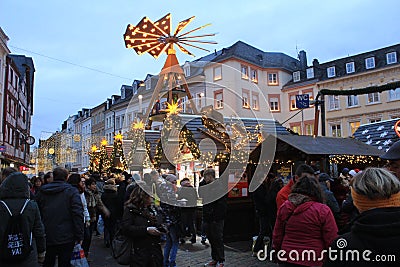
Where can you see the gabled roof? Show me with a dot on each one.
(378, 134)
(322, 145)
(255, 56)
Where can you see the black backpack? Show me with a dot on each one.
(17, 241)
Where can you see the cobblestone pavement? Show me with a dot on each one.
(237, 254)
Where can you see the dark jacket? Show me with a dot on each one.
(134, 225)
(62, 212)
(14, 191)
(111, 201)
(213, 210)
(330, 199)
(377, 230)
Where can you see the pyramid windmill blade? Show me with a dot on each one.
(182, 24)
(198, 28)
(164, 24)
(195, 46)
(184, 50)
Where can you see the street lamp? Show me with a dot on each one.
(140, 97)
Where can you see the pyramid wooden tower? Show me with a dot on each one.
(155, 38)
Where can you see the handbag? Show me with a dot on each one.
(78, 258)
(100, 225)
(121, 247)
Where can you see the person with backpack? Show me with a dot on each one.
(62, 213)
(20, 218)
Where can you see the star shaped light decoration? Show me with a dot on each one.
(173, 108)
(104, 142)
(155, 37)
(139, 125)
(118, 137)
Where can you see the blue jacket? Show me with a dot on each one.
(62, 212)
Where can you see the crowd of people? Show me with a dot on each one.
(312, 212)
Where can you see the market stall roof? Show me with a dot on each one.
(378, 134)
(322, 145)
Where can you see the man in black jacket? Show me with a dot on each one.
(62, 214)
(214, 212)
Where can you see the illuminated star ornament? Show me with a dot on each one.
(156, 37)
(138, 125)
(173, 108)
(118, 137)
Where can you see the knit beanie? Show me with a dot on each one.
(363, 203)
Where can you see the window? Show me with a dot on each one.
(273, 79)
(24, 116)
(310, 96)
(187, 71)
(218, 99)
(309, 129)
(374, 120)
(336, 130)
(148, 84)
(253, 75)
(245, 99)
(292, 102)
(373, 98)
(394, 94)
(274, 103)
(353, 126)
(245, 72)
(370, 63)
(199, 100)
(255, 101)
(333, 102)
(296, 76)
(296, 129)
(352, 101)
(310, 73)
(330, 72)
(218, 73)
(350, 67)
(391, 58)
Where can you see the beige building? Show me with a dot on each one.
(345, 113)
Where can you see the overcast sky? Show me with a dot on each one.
(88, 34)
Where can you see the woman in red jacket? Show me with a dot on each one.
(304, 226)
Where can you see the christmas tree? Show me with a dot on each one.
(104, 160)
(117, 156)
(140, 152)
(94, 159)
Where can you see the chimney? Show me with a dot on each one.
(303, 59)
(315, 62)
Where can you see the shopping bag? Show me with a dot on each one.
(100, 225)
(121, 247)
(78, 258)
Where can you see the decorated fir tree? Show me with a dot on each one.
(117, 156)
(104, 160)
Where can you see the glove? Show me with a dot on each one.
(153, 230)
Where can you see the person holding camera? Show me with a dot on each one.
(142, 223)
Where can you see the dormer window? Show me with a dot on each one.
(310, 73)
(331, 72)
(370, 63)
(123, 93)
(187, 71)
(148, 84)
(350, 67)
(391, 58)
(296, 76)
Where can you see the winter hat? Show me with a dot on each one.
(352, 173)
(110, 181)
(325, 177)
(171, 178)
(393, 153)
(345, 171)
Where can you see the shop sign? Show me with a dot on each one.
(23, 168)
(397, 128)
(3, 149)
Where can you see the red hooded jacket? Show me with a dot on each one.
(303, 224)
